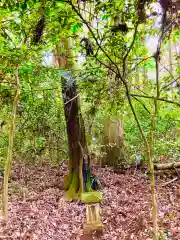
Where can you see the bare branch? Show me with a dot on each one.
(143, 60)
(129, 49)
(139, 89)
(174, 80)
(159, 99)
(167, 70)
(144, 106)
(72, 99)
(169, 84)
(157, 60)
(169, 101)
(98, 46)
(87, 12)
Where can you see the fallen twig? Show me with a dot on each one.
(173, 180)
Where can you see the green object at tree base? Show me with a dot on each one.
(91, 197)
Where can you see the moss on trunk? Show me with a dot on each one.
(76, 139)
(68, 180)
(74, 121)
(73, 189)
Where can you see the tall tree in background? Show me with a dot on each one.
(113, 143)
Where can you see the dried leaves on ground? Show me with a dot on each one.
(37, 210)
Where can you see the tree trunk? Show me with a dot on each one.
(170, 62)
(114, 143)
(10, 148)
(76, 138)
(74, 124)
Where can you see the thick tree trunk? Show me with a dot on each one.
(74, 122)
(76, 137)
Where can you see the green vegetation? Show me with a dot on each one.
(98, 78)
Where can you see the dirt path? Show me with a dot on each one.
(37, 211)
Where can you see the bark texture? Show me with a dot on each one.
(166, 166)
(10, 148)
(74, 122)
(113, 143)
(76, 138)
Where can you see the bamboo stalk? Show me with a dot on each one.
(8, 163)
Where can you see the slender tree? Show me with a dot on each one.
(10, 147)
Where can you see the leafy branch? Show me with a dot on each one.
(118, 73)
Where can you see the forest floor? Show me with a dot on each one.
(37, 210)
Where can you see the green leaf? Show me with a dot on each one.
(104, 17)
(24, 6)
(59, 3)
(47, 11)
(3, 11)
(26, 69)
(76, 27)
(149, 64)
